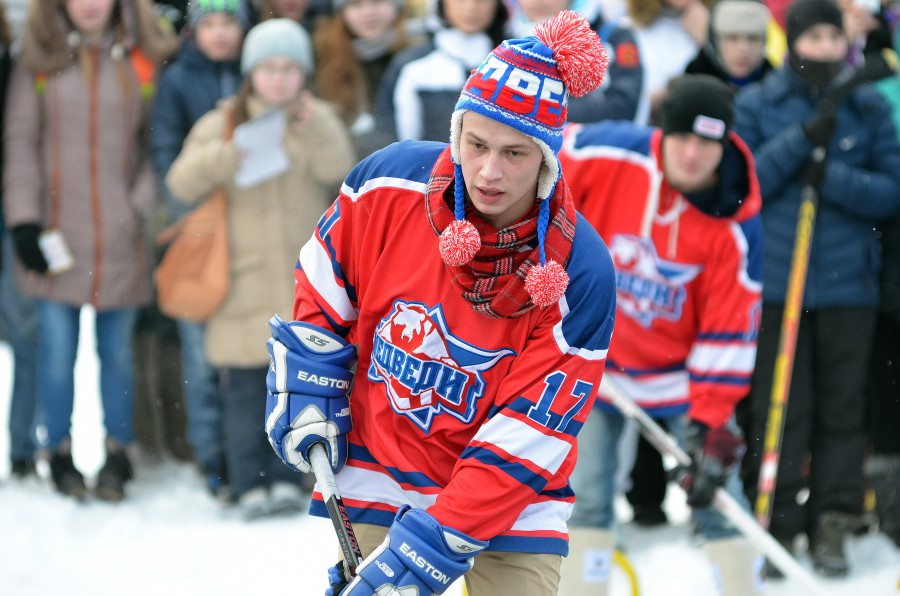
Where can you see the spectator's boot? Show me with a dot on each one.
(826, 543)
(649, 516)
(735, 564)
(770, 571)
(883, 473)
(254, 503)
(66, 478)
(287, 498)
(22, 468)
(587, 569)
(216, 472)
(113, 476)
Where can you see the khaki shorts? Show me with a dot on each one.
(494, 573)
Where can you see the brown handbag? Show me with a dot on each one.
(192, 278)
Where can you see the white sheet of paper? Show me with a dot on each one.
(260, 140)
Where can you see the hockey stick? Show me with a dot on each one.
(724, 502)
(318, 456)
(787, 349)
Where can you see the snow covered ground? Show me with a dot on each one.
(169, 538)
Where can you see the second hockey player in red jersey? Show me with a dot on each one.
(480, 305)
(679, 207)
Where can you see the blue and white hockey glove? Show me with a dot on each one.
(419, 556)
(308, 402)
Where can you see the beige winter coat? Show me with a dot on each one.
(76, 156)
(268, 223)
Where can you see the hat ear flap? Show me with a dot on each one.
(549, 174)
(456, 134)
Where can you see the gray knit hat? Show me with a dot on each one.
(277, 37)
(740, 17)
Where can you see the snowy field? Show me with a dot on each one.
(168, 538)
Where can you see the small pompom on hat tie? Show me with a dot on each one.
(525, 83)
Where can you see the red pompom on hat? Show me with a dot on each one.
(580, 56)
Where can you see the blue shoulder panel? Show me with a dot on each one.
(591, 295)
(407, 160)
(615, 133)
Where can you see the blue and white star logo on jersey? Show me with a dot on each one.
(646, 285)
(425, 369)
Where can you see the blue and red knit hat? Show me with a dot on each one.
(525, 84)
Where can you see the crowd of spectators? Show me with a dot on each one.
(118, 118)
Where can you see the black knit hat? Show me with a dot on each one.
(803, 14)
(699, 104)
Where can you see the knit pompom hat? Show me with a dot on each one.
(525, 83)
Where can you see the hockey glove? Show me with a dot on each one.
(714, 453)
(25, 237)
(419, 556)
(308, 402)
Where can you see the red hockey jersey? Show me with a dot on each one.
(688, 284)
(470, 417)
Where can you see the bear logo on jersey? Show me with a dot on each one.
(426, 370)
(648, 287)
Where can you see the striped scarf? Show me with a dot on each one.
(494, 281)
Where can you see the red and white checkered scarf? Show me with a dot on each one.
(494, 281)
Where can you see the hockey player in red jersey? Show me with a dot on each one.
(679, 208)
(480, 306)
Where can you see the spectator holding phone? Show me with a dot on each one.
(79, 185)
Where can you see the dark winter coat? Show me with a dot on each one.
(706, 62)
(188, 89)
(861, 187)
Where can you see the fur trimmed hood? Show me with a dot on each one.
(51, 41)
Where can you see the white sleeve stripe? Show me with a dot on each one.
(524, 442)
(718, 358)
(658, 387)
(370, 486)
(317, 266)
(564, 346)
(544, 516)
(382, 182)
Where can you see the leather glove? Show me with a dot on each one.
(25, 237)
(820, 128)
(813, 171)
(714, 454)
